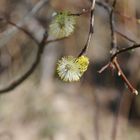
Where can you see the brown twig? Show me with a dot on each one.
(135, 46)
(17, 82)
(122, 75)
(7, 34)
(24, 30)
(104, 5)
(55, 40)
(91, 30)
(110, 9)
(112, 29)
(104, 68)
(114, 63)
(115, 51)
(125, 36)
(84, 11)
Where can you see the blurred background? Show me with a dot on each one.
(99, 107)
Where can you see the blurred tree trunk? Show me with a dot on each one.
(127, 8)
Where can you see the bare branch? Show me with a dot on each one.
(112, 29)
(104, 5)
(122, 75)
(91, 30)
(125, 50)
(10, 32)
(17, 82)
(24, 30)
(125, 36)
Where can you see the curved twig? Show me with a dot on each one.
(9, 32)
(17, 82)
(135, 46)
(91, 30)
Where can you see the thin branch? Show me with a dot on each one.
(109, 8)
(104, 5)
(7, 35)
(17, 82)
(125, 50)
(114, 62)
(91, 30)
(59, 39)
(126, 37)
(104, 68)
(135, 46)
(122, 75)
(24, 30)
(114, 52)
(55, 40)
(112, 29)
(84, 11)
